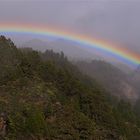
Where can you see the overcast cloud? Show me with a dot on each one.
(116, 21)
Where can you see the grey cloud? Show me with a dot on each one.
(116, 21)
(113, 20)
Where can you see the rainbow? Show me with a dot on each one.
(119, 53)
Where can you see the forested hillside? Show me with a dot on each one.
(44, 97)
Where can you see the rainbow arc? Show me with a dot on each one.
(117, 52)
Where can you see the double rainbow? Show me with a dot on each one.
(118, 53)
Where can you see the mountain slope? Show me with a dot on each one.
(113, 79)
(46, 97)
(135, 78)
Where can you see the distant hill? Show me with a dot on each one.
(36, 44)
(124, 67)
(71, 50)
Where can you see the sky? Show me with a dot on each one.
(115, 21)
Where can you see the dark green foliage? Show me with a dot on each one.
(44, 97)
